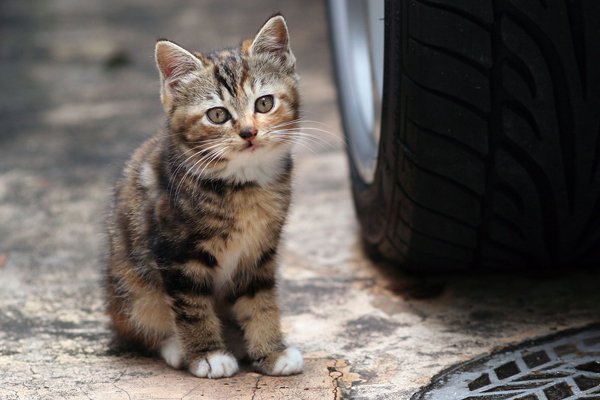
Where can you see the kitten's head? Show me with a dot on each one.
(233, 110)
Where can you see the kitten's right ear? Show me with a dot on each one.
(273, 40)
(176, 65)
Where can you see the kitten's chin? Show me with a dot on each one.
(262, 146)
(252, 147)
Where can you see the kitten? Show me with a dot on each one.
(198, 213)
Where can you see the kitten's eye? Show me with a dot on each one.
(218, 115)
(264, 104)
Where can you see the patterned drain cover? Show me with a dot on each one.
(563, 366)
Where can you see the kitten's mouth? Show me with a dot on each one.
(251, 146)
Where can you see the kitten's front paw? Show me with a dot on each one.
(287, 362)
(215, 365)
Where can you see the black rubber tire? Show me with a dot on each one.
(490, 151)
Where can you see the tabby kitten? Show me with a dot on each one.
(198, 213)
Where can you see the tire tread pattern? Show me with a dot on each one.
(495, 155)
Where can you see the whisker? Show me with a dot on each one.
(327, 139)
(312, 141)
(183, 164)
(302, 121)
(209, 159)
(216, 156)
(300, 143)
(299, 133)
(310, 128)
(183, 178)
(190, 169)
(305, 141)
(305, 128)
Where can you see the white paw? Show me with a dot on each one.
(216, 365)
(172, 353)
(289, 362)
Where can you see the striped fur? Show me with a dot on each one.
(198, 213)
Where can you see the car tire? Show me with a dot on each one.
(489, 149)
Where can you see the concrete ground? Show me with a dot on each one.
(78, 92)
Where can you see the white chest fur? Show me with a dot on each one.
(262, 166)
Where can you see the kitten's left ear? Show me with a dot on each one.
(273, 39)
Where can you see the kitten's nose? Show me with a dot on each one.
(248, 133)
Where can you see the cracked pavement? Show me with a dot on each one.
(79, 93)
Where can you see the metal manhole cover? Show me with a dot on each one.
(560, 367)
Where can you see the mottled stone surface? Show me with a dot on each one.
(78, 92)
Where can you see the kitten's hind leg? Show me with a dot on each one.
(141, 316)
(172, 353)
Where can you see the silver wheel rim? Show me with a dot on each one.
(357, 32)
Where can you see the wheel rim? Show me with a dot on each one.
(357, 32)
